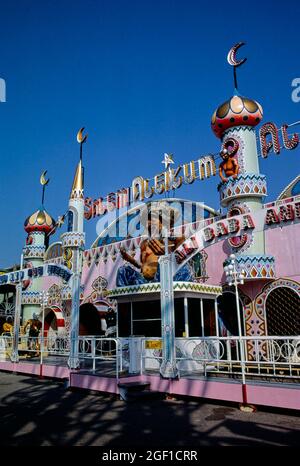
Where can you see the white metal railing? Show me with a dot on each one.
(264, 356)
(49, 345)
(6, 345)
(102, 349)
(90, 348)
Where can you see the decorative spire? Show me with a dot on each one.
(78, 183)
(238, 110)
(231, 58)
(77, 188)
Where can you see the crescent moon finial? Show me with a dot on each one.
(231, 57)
(80, 138)
(43, 180)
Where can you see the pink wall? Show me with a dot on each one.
(284, 243)
(267, 395)
(59, 372)
(48, 281)
(108, 270)
(217, 253)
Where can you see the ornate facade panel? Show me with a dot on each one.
(256, 316)
(257, 267)
(73, 239)
(178, 286)
(245, 185)
(31, 297)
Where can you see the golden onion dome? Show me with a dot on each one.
(237, 111)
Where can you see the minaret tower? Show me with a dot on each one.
(243, 188)
(73, 245)
(39, 226)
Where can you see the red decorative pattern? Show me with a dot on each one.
(40, 221)
(237, 111)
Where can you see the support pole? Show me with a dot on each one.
(44, 297)
(235, 277)
(186, 317)
(202, 318)
(241, 343)
(217, 319)
(117, 320)
(168, 368)
(15, 354)
(131, 322)
(74, 362)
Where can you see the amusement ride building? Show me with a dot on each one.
(228, 272)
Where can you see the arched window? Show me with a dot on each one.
(72, 220)
(283, 312)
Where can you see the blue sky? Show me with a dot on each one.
(143, 77)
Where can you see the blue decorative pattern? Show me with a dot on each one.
(128, 276)
(257, 267)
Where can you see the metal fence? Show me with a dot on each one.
(264, 357)
(6, 344)
(100, 349)
(91, 350)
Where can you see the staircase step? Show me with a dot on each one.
(134, 386)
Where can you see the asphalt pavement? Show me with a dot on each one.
(43, 412)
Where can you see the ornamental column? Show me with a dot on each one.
(168, 367)
(243, 188)
(39, 226)
(73, 242)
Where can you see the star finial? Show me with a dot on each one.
(168, 160)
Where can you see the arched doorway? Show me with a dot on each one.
(50, 324)
(227, 314)
(283, 312)
(54, 322)
(89, 320)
